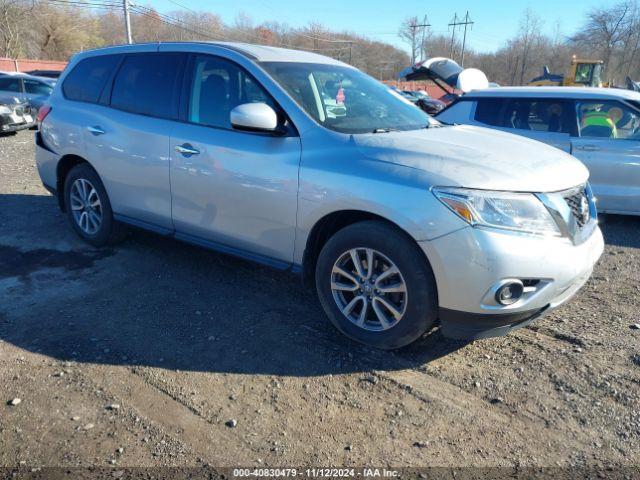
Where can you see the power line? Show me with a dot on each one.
(183, 6)
(81, 4)
(183, 25)
(174, 22)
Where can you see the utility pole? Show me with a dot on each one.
(467, 21)
(350, 52)
(454, 24)
(425, 25)
(414, 26)
(127, 21)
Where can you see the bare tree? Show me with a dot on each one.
(528, 38)
(14, 21)
(411, 31)
(605, 30)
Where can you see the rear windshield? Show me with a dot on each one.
(88, 78)
(346, 100)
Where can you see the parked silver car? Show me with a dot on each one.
(15, 115)
(600, 126)
(398, 220)
(35, 90)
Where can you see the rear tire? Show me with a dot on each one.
(383, 310)
(89, 209)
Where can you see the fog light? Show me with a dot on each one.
(509, 293)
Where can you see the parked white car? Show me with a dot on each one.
(600, 126)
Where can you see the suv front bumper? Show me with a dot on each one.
(468, 265)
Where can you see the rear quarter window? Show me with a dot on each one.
(9, 84)
(87, 79)
(148, 84)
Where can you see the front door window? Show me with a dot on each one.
(608, 119)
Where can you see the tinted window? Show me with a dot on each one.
(527, 114)
(88, 78)
(148, 84)
(488, 111)
(217, 87)
(9, 84)
(539, 115)
(37, 88)
(608, 119)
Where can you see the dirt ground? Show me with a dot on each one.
(157, 353)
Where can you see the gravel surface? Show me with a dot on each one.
(157, 353)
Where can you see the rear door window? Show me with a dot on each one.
(148, 84)
(548, 115)
(37, 88)
(89, 77)
(10, 84)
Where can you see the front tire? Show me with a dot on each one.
(88, 207)
(376, 286)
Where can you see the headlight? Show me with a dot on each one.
(5, 110)
(522, 212)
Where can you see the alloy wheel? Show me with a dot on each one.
(86, 206)
(369, 289)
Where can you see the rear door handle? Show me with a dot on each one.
(187, 150)
(589, 148)
(96, 131)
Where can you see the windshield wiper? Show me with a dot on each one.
(385, 130)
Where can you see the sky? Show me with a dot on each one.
(495, 20)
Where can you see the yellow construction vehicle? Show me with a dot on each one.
(583, 73)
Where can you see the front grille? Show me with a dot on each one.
(579, 205)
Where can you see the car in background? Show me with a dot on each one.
(15, 114)
(403, 94)
(599, 126)
(45, 73)
(35, 90)
(430, 105)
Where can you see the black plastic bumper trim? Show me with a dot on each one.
(470, 326)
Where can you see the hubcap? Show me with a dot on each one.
(369, 289)
(86, 206)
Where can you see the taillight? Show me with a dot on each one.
(42, 114)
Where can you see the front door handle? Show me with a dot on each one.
(187, 150)
(96, 131)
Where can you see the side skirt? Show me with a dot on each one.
(201, 242)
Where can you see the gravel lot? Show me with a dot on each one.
(158, 353)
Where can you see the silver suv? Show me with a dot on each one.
(302, 162)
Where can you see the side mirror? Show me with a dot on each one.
(256, 117)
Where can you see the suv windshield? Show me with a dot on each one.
(346, 100)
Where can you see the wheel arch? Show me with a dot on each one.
(327, 226)
(65, 164)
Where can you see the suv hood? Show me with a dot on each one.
(474, 157)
